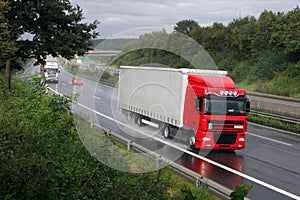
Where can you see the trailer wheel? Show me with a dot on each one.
(135, 117)
(131, 117)
(139, 120)
(128, 117)
(166, 131)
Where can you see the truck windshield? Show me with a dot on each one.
(51, 71)
(215, 105)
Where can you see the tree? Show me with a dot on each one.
(186, 26)
(54, 27)
(7, 46)
(291, 34)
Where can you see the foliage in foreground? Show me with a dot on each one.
(42, 157)
(240, 192)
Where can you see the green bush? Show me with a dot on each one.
(42, 156)
(274, 123)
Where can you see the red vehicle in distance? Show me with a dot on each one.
(77, 80)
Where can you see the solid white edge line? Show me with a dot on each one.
(255, 180)
(277, 141)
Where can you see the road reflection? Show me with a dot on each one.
(207, 170)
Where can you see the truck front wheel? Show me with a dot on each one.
(190, 141)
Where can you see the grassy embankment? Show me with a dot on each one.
(267, 121)
(43, 157)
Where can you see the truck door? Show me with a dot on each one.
(192, 110)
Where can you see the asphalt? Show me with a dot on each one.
(271, 156)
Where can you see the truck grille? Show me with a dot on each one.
(224, 125)
(224, 138)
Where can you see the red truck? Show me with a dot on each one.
(203, 107)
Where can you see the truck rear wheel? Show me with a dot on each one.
(166, 131)
(139, 121)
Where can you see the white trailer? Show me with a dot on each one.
(157, 93)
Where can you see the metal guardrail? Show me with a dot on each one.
(199, 180)
(276, 117)
(219, 189)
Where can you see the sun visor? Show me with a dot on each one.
(212, 81)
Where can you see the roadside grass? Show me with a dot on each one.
(252, 89)
(274, 123)
(52, 160)
(97, 142)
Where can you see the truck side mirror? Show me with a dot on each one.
(247, 105)
(198, 103)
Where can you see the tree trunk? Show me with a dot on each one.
(7, 80)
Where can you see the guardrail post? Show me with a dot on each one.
(107, 133)
(92, 124)
(129, 145)
(199, 181)
(157, 162)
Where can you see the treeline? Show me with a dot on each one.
(260, 54)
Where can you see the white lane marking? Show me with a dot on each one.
(255, 135)
(96, 97)
(255, 180)
(100, 89)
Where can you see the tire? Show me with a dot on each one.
(131, 117)
(128, 117)
(190, 141)
(139, 121)
(166, 131)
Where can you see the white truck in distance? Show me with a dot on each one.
(50, 71)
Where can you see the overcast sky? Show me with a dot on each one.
(129, 18)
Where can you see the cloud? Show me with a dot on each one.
(119, 16)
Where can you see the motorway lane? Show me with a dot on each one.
(270, 161)
(274, 161)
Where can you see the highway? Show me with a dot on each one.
(270, 162)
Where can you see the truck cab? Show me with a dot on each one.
(51, 71)
(216, 111)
